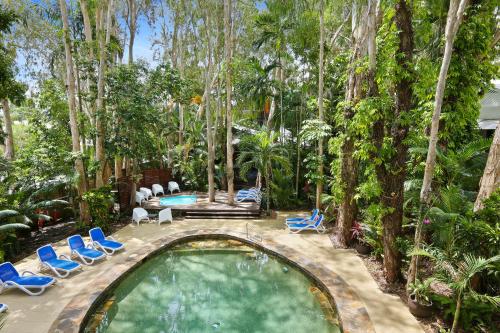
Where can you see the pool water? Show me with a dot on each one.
(178, 200)
(215, 291)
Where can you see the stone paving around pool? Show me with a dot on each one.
(362, 306)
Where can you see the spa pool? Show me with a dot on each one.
(178, 200)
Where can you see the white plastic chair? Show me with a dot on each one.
(165, 215)
(147, 192)
(157, 188)
(139, 214)
(139, 198)
(172, 186)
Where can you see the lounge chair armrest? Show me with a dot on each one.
(111, 238)
(63, 256)
(90, 246)
(27, 273)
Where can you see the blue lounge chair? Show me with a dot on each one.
(33, 284)
(253, 194)
(107, 244)
(316, 226)
(309, 219)
(60, 266)
(3, 307)
(87, 253)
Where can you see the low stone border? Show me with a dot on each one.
(351, 311)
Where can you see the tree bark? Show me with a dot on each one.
(9, 153)
(491, 175)
(319, 185)
(208, 114)
(75, 135)
(455, 15)
(104, 35)
(132, 7)
(229, 114)
(349, 165)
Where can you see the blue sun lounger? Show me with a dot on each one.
(28, 282)
(107, 244)
(316, 226)
(60, 266)
(253, 194)
(309, 219)
(86, 253)
(3, 307)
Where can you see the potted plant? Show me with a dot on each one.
(419, 300)
(358, 235)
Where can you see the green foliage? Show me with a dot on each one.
(421, 290)
(261, 152)
(283, 192)
(100, 203)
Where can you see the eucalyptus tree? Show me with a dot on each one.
(75, 135)
(104, 25)
(10, 89)
(491, 176)
(319, 185)
(348, 209)
(228, 50)
(454, 18)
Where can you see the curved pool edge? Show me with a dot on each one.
(352, 313)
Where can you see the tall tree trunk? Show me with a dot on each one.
(75, 135)
(319, 185)
(208, 114)
(391, 175)
(229, 113)
(9, 153)
(455, 15)
(491, 175)
(349, 165)
(104, 35)
(132, 7)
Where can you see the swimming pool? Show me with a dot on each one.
(178, 200)
(195, 289)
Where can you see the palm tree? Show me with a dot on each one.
(260, 151)
(459, 276)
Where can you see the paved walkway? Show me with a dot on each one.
(36, 314)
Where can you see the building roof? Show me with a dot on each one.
(489, 115)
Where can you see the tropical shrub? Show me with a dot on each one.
(100, 202)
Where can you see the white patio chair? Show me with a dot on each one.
(173, 186)
(147, 192)
(165, 215)
(139, 214)
(139, 198)
(157, 188)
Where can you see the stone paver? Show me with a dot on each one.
(36, 314)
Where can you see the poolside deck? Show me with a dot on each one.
(205, 209)
(36, 314)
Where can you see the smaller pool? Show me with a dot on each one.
(178, 200)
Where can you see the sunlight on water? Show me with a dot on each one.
(215, 291)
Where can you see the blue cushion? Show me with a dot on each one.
(109, 244)
(67, 265)
(38, 281)
(90, 253)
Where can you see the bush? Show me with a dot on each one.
(100, 202)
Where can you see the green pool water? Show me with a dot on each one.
(215, 291)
